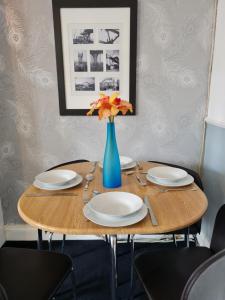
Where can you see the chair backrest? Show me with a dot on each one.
(3, 295)
(218, 236)
(194, 174)
(207, 281)
(68, 163)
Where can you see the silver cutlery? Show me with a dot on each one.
(49, 195)
(95, 193)
(150, 211)
(93, 167)
(144, 172)
(133, 171)
(86, 197)
(162, 190)
(139, 166)
(140, 180)
(129, 172)
(90, 176)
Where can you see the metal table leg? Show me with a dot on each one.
(113, 242)
(188, 238)
(50, 241)
(40, 240)
(131, 265)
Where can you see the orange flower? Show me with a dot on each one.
(110, 106)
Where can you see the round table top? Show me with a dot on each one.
(174, 210)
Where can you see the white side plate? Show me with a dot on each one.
(167, 173)
(116, 204)
(125, 160)
(115, 221)
(126, 167)
(72, 183)
(183, 182)
(56, 177)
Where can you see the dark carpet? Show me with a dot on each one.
(92, 268)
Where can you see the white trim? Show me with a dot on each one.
(2, 235)
(23, 232)
(203, 240)
(2, 232)
(214, 122)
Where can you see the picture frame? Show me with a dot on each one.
(96, 48)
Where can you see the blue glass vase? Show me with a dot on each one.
(111, 163)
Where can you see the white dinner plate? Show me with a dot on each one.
(115, 204)
(125, 160)
(183, 182)
(78, 179)
(167, 173)
(114, 221)
(56, 177)
(126, 167)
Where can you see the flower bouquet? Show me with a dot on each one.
(109, 107)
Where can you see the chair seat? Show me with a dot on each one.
(164, 273)
(30, 274)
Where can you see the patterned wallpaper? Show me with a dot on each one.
(174, 42)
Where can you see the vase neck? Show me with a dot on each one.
(111, 127)
(111, 130)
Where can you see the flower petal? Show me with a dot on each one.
(113, 96)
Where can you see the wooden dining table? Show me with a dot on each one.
(62, 211)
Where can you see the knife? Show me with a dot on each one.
(49, 195)
(150, 211)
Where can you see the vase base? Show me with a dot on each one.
(108, 186)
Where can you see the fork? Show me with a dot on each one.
(139, 166)
(140, 180)
(168, 190)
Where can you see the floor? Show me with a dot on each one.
(92, 268)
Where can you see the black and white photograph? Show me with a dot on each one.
(108, 36)
(85, 84)
(96, 60)
(80, 61)
(109, 84)
(112, 60)
(83, 36)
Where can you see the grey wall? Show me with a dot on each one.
(213, 176)
(174, 41)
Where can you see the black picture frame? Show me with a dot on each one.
(57, 5)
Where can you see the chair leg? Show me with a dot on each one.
(195, 240)
(174, 240)
(63, 243)
(39, 240)
(128, 238)
(106, 238)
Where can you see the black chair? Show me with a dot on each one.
(195, 228)
(51, 234)
(68, 163)
(28, 274)
(3, 295)
(207, 282)
(168, 274)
